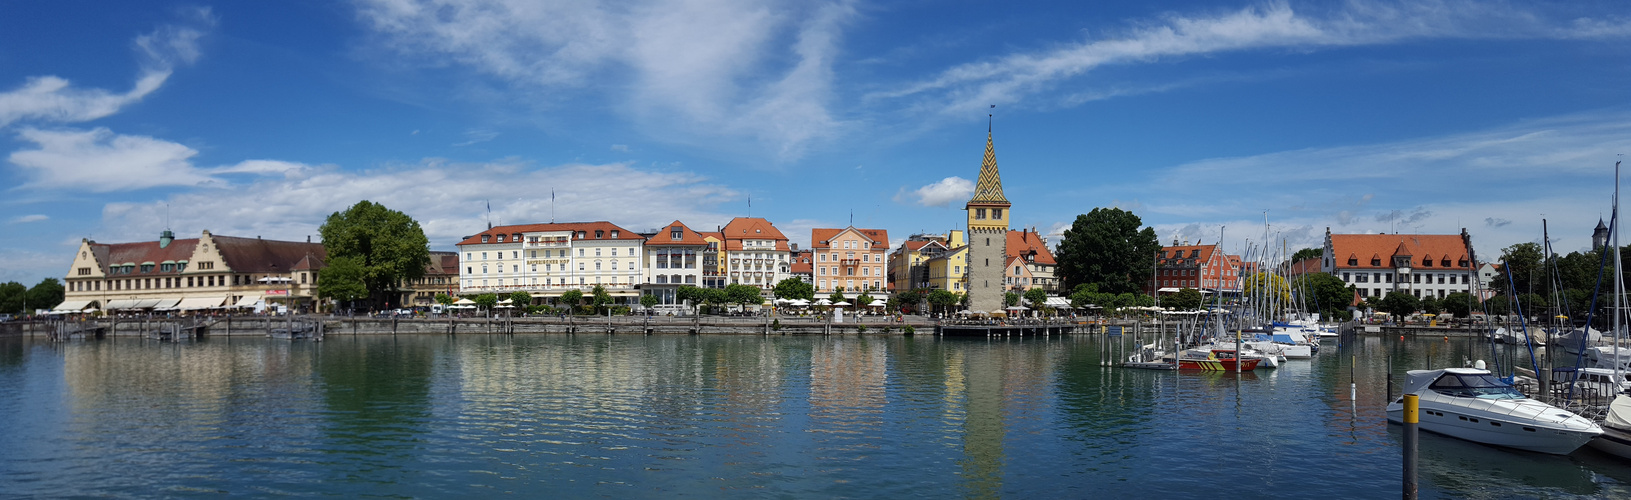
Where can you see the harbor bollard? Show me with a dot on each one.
(1410, 444)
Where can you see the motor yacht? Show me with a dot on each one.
(1616, 438)
(1473, 404)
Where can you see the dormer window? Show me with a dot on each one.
(1427, 261)
(600, 233)
(1353, 261)
(500, 238)
(1445, 262)
(1376, 261)
(484, 238)
(515, 237)
(675, 233)
(1462, 263)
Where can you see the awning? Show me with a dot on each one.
(122, 304)
(248, 301)
(1057, 303)
(71, 306)
(163, 304)
(192, 303)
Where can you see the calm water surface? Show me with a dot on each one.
(722, 417)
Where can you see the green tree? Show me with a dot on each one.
(520, 299)
(572, 298)
(1106, 247)
(445, 299)
(942, 300)
(486, 301)
(343, 280)
(387, 247)
(1498, 305)
(648, 301)
(1523, 262)
(794, 288)
(1325, 293)
(1037, 297)
(863, 300)
(1459, 304)
(1270, 282)
(46, 294)
(1399, 304)
(1307, 253)
(743, 294)
(1429, 305)
(12, 296)
(837, 296)
(599, 298)
(1184, 300)
(690, 295)
(910, 300)
(1010, 299)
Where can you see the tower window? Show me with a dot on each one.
(979, 213)
(996, 213)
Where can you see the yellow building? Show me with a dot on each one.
(208, 272)
(949, 269)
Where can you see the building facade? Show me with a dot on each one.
(441, 276)
(673, 258)
(1423, 265)
(988, 216)
(1032, 251)
(755, 253)
(208, 272)
(909, 264)
(1202, 267)
(546, 260)
(850, 258)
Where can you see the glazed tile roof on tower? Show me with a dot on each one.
(988, 189)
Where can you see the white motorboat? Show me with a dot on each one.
(1472, 404)
(1606, 356)
(1600, 383)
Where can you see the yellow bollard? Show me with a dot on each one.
(1411, 418)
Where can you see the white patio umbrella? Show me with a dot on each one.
(841, 303)
(823, 302)
(464, 302)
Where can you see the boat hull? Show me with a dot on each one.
(1508, 433)
(1216, 365)
(1614, 442)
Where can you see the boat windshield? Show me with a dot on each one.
(1474, 386)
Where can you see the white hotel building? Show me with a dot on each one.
(546, 260)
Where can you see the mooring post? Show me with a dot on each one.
(1410, 442)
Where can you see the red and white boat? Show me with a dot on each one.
(1215, 360)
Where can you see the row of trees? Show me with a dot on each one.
(18, 299)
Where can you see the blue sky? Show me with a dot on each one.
(259, 119)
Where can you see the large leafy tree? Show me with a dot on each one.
(46, 294)
(794, 288)
(1325, 293)
(343, 280)
(1268, 282)
(1106, 247)
(1185, 300)
(12, 296)
(1523, 262)
(1459, 304)
(1399, 304)
(572, 298)
(600, 298)
(1307, 253)
(387, 248)
(942, 299)
(1037, 296)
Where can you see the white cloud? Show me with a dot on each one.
(100, 161)
(476, 136)
(683, 68)
(446, 198)
(21, 219)
(1273, 25)
(53, 99)
(621, 148)
(945, 192)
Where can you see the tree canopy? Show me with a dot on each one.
(1307, 253)
(1399, 304)
(794, 288)
(1107, 248)
(1187, 299)
(1325, 294)
(943, 300)
(385, 249)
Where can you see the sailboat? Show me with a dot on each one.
(1616, 423)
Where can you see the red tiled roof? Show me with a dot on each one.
(801, 263)
(587, 227)
(752, 228)
(1362, 248)
(687, 236)
(146, 251)
(255, 255)
(1203, 254)
(1023, 242)
(443, 263)
(820, 236)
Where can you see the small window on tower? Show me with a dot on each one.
(996, 213)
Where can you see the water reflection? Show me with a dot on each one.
(742, 417)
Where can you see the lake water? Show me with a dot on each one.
(578, 416)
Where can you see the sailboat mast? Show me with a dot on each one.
(1619, 294)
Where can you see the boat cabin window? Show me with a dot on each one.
(1474, 386)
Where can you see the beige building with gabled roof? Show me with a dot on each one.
(208, 272)
(850, 258)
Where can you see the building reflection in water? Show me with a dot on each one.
(848, 378)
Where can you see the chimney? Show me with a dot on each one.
(308, 238)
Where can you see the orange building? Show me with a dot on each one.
(1419, 264)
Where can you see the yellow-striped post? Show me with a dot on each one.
(1411, 418)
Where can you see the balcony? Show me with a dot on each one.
(850, 262)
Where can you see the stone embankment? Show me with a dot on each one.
(335, 325)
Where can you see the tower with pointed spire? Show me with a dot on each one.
(1599, 236)
(988, 217)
